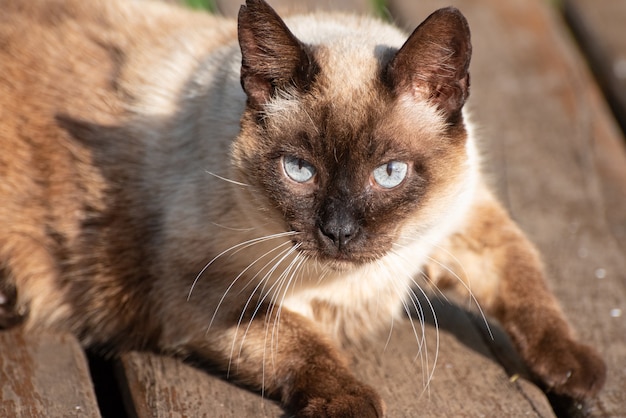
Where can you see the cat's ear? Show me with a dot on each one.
(433, 63)
(272, 57)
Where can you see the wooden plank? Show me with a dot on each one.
(158, 386)
(44, 375)
(467, 379)
(549, 138)
(599, 26)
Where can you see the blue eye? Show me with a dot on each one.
(297, 169)
(391, 174)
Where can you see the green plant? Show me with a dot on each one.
(380, 8)
(202, 4)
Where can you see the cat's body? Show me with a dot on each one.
(133, 217)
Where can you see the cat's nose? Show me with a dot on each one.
(338, 223)
(340, 233)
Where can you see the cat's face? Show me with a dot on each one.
(353, 168)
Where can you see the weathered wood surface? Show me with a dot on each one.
(557, 163)
(600, 27)
(44, 375)
(466, 369)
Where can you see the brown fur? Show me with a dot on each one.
(146, 202)
(512, 289)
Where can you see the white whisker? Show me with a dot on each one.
(239, 276)
(242, 244)
(228, 180)
(294, 265)
(285, 253)
(290, 271)
(234, 229)
(470, 293)
(245, 308)
(459, 279)
(421, 314)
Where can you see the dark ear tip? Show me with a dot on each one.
(251, 6)
(254, 5)
(256, 11)
(459, 16)
(450, 10)
(452, 13)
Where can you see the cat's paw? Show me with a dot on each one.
(354, 401)
(9, 313)
(571, 369)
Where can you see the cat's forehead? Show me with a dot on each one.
(348, 104)
(357, 115)
(349, 50)
(322, 28)
(371, 126)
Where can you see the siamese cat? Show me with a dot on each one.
(256, 194)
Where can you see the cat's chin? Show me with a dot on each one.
(343, 264)
(338, 261)
(340, 265)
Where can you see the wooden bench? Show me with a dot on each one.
(559, 164)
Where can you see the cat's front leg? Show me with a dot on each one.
(491, 257)
(292, 362)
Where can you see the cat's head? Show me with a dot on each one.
(355, 142)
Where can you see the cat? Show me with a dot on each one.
(257, 195)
